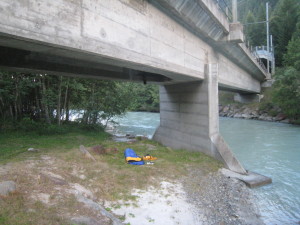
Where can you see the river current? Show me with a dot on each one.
(271, 149)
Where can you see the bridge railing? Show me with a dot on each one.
(256, 57)
(223, 6)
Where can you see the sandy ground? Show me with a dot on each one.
(166, 204)
(193, 200)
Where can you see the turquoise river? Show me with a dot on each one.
(272, 149)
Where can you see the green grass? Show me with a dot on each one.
(110, 177)
(14, 211)
(13, 143)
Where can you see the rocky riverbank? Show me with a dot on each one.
(255, 113)
(220, 199)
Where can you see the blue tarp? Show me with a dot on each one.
(132, 158)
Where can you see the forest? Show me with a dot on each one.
(284, 18)
(31, 100)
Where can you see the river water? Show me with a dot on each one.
(272, 149)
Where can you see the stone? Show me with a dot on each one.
(82, 177)
(32, 150)
(83, 220)
(86, 153)
(7, 187)
(285, 121)
(280, 117)
(53, 179)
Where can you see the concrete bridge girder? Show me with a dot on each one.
(126, 34)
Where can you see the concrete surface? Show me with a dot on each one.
(189, 119)
(160, 41)
(251, 179)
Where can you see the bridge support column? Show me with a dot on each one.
(189, 119)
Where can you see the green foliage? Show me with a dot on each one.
(283, 26)
(287, 91)
(31, 98)
(292, 57)
(256, 33)
(142, 97)
(17, 141)
(283, 14)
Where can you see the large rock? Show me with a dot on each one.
(7, 187)
(280, 117)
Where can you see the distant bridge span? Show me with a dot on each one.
(187, 46)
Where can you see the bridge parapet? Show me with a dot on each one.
(206, 19)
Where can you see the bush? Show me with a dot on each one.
(287, 91)
(28, 125)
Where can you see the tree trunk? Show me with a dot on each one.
(11, 112)
(58, 109)
(16, 99)
(66, 99)
(44, 102)
(67, 107)
(37, 113)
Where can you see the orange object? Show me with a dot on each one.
(149, 157)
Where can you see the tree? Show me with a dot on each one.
(287, 91)
(283, 25)
(287, 84)
(40, 97)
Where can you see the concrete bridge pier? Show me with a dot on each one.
(189, 119)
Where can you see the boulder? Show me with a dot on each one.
(7, 187)
(225, 109)
(280, 117)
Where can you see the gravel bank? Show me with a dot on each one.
(221, 200)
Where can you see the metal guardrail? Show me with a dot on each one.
(256, 57)
(263, 48)
(223, 6)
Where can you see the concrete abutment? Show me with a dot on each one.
(189, 119)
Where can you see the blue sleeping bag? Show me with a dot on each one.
(132, 158)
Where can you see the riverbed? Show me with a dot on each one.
(269, 148)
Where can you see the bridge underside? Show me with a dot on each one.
(33, 57)
(137, 41)
(188, 110)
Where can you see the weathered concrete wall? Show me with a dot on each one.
(130, 34)
(189, 119)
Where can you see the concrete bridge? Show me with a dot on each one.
(189, 47)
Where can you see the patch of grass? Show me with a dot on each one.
(115, 179)
(122, 218)
(109, 176)
(15, 211)
(108, 209)
(14, 143)
(131, 215)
